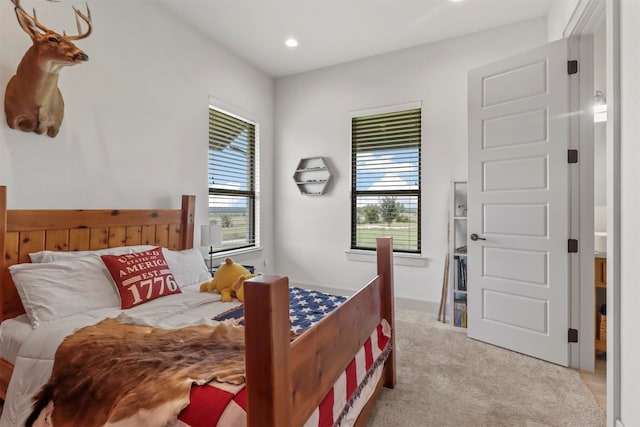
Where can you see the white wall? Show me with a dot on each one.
(630, 206)
(600, 81)
(135, 129)
(600, 147)
(558, 17)
(312, 119)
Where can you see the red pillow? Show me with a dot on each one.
(141, 276)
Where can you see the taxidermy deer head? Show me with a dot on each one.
(33, 102)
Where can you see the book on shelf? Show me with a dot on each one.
(460, 273)
(460, 297)
(463, 322)
(460, 309)
(460, 315)
(456, 272)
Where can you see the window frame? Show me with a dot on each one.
(355, 193)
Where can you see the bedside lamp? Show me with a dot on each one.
(210, 235)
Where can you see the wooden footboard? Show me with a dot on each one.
(286, 381)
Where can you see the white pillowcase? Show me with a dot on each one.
(187, 266)
(54, 290)
(48, 256)
(61, 284)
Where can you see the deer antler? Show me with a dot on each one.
(86, 18)
(33, 18)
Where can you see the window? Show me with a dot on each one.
(385, 179)
(232, 179)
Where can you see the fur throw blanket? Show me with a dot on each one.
(127, 375)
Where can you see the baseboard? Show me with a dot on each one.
(411, 304)
(619, 423)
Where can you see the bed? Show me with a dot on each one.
(286, 380)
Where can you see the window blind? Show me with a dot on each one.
(386, 179)
(232, 177)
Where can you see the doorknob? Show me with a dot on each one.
(475, 237)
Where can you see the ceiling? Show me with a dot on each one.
(330, 32)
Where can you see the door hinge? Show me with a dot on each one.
(572, 67)
(572, 156)
(573, 246)
(573, 335)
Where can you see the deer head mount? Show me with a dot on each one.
(33, 102)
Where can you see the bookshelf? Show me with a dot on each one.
(458, 252)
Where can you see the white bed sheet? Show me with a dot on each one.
(34, 362)
(13, 332)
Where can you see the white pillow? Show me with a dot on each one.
(48, 256)
(54, 290)
(187, 266)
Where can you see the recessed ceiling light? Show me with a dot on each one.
(291, 42)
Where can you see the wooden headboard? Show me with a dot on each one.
(26, 231)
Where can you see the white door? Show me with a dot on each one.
(518, 200)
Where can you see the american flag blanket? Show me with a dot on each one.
(199, 368)
(306, 308)
(217, 404)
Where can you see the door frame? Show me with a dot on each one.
(581, 215)
(579, 30)
(587, 14)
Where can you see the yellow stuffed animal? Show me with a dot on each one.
(228, 280)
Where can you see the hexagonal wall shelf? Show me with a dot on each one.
(312, 176)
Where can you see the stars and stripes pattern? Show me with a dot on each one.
(306, 308)
(217, 404)
(342, 405)
(343, 402)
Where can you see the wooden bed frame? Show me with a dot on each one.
(285, 380)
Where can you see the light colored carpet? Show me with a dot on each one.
(446, 379)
